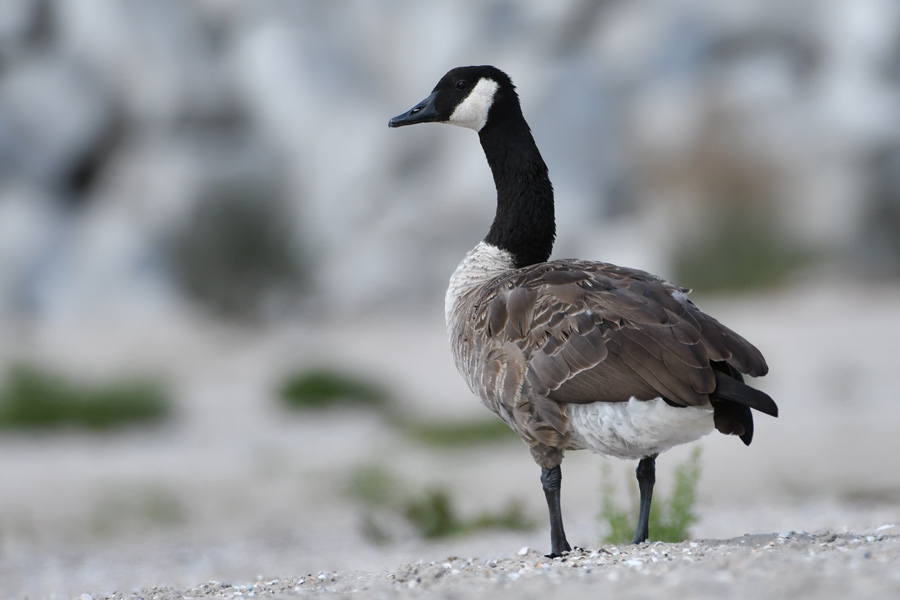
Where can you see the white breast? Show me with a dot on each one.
(636, 428)
(481, 264)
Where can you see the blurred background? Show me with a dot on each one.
(222, 346)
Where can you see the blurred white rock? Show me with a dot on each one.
(128, 115)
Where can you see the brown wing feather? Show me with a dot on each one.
(580, 332)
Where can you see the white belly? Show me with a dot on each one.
(636, 428)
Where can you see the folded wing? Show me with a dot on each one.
(581, 332)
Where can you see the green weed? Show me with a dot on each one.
(325, 388)
(461, 434)
(34, 398)
(431, 513)
(670, 517)
(434, 516)
(374, 486)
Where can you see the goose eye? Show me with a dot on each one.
(462, 84)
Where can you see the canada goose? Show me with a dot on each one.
(574, 354)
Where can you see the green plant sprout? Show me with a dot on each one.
(670, 517)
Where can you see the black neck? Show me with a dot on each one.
(524, 224)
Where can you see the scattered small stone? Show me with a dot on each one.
(884, 528)
(718, 559)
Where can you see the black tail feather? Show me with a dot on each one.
(732, 401)
(733, 419)
(735, 390)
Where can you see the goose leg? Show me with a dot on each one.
(646, 477)
(551, 479)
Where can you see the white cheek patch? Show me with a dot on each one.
(473, 111)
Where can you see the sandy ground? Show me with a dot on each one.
(235, 490)
(786, 565)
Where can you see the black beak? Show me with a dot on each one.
(423, 112)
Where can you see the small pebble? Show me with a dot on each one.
(884, 528)
(524, 551)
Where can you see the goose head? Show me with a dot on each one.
(470, 97)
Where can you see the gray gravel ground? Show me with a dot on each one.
(786, 565)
